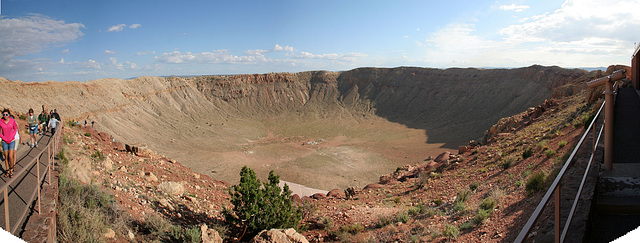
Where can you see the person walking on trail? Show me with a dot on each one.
(44, 119)
(9, 129)
(32, 122)
(53, 124)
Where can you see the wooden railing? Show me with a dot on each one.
(50, 150)
(555, 186)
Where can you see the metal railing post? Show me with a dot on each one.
(556, 226)
(38, 184)
(6, 210)
(608, 126)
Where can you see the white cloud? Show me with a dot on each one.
(65, 51)
(61, 60)
(134, 26)
(277, 48)
(143, 53)
(30, 35)
(116, 28)
(217, 56)
(581, 27)
(330, 56)
(90, 64)
(109, 52)
(514, 7)
(576, 35)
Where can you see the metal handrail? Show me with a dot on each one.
(51, 146)
(555, 187)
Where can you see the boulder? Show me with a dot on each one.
(209, 235)
(105, 137)
(107, 164)
(279, 236)
(118, 146)
(443, 157)
(110, 234)
(171, 188)
(143, 151)
(81, 168)
(318, 196)
(373, 186)
(463, 149)
(337, 193)
(150, 177)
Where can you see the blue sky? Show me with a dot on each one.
(85, 40)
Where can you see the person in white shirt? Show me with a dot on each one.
(53, 124)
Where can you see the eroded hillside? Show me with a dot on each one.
(322, 129)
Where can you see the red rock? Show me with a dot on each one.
(337, 193)
(318, 196)
(463, 149)
(442, 157)
(373, 186)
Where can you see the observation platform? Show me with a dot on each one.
(617, 210)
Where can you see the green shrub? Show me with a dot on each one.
(437, 202)
(257, 208)
(488, 203)
(352, 228)
(466, 226)
(402, 217)
(474, 185)
(23, 117)
(549, 153)
(97, 155)
(536, 182)
(463, 195)
(384, 221)
(61, 156)
(87, 134)
(562, 143)
(450, 231)
(326, 222)
(415, 210)
(528, 152)
(459, 207)
(507, 162)
(481, 216)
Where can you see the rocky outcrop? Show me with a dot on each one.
(279, 236)
(209, 235)
(171, 188)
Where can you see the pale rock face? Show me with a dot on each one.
(171, 188)
(279, 236)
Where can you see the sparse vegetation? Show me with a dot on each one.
(352, 228)
(402, 217)
(85, 211)
(474, 185)
(549, 153)
(507, 162)
(536, 182)
(97, 155)
(463, 195)
(450, 231)
(87, 134)
(562, 143)
(528, 152)
(482, 215)
(488, 203)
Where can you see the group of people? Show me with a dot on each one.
(11, 137)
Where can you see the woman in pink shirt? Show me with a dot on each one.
(9, 129)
